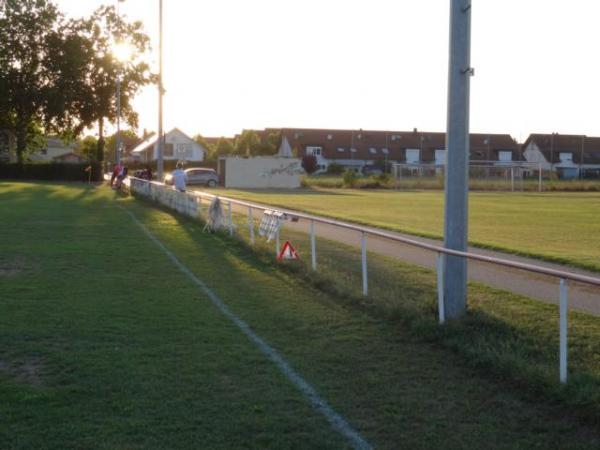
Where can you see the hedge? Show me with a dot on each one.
(51, 171)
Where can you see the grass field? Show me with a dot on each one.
(106, 344)
(563, 227)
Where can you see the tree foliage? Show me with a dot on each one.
(129, 139)
(61, 76)
(309, 164)
(26, 29)
(224, 147)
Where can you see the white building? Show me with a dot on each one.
(178, 146)
(55, 150)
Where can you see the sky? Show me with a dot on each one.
(378, 64)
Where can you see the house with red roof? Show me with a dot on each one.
(360, 149)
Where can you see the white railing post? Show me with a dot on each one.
(313, 246)
(365, 280)
(512, 179)
(230, 221)
(251, 225)
(564, 311)
(440, 287)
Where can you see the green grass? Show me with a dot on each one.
(561, 227)
(514, 337)
(105, 344)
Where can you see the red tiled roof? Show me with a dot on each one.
(551, 145)
(336, 144)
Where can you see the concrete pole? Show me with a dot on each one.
(118, 143)
(457, 143)
(159, 148)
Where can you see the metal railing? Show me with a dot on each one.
(188, 203)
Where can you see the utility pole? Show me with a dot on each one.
(581, 157)
(118, 140)
(159, 148)
(457, 143)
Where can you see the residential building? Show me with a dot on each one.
(177, 146)
(359, 149)
(569, 155)
(56, 150)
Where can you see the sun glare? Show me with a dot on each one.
(122, 51)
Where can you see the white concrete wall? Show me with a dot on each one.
(263, 172)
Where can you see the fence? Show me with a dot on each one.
(483, 174)
(190, 203)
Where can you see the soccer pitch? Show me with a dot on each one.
(108, 342)
(557, 226)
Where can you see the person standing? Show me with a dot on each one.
(115, 173)
(179, 178)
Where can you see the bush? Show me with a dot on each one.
(383, 178)
(309, 164)
(335, 169)
(51, 171)
(350, 178)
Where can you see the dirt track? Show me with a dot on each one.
(545, 288)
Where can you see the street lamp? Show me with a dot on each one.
(159, 149)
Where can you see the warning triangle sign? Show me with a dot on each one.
(287, 252)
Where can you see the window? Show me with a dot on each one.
(316, 151)
(505, 156)
(168, 150)
(385, 151)
(566, 157)
(440, 156)
(352, 150)
(330, 137)
(341, 149)
(183, 151)
(373, 150)
(412, 156)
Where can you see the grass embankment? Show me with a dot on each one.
(105, 344)
(560, 227)
(511, 336)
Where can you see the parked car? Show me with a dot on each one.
(372, 170)
(197, 176)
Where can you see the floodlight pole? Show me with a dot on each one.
(159, 145)
(457, 173)
(118, 140)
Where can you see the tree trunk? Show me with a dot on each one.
(21, 137)
(100, 149)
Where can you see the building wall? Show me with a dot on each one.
(180, 141)
(262, 172)
(533, 154)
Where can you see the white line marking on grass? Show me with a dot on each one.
(337, 421)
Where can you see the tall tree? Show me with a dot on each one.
(26, 29)
(247, 143)
(96, 101)
(129, 139)
(224, 147)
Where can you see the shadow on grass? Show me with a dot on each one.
(507, 338)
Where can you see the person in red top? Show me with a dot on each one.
(115, 173)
